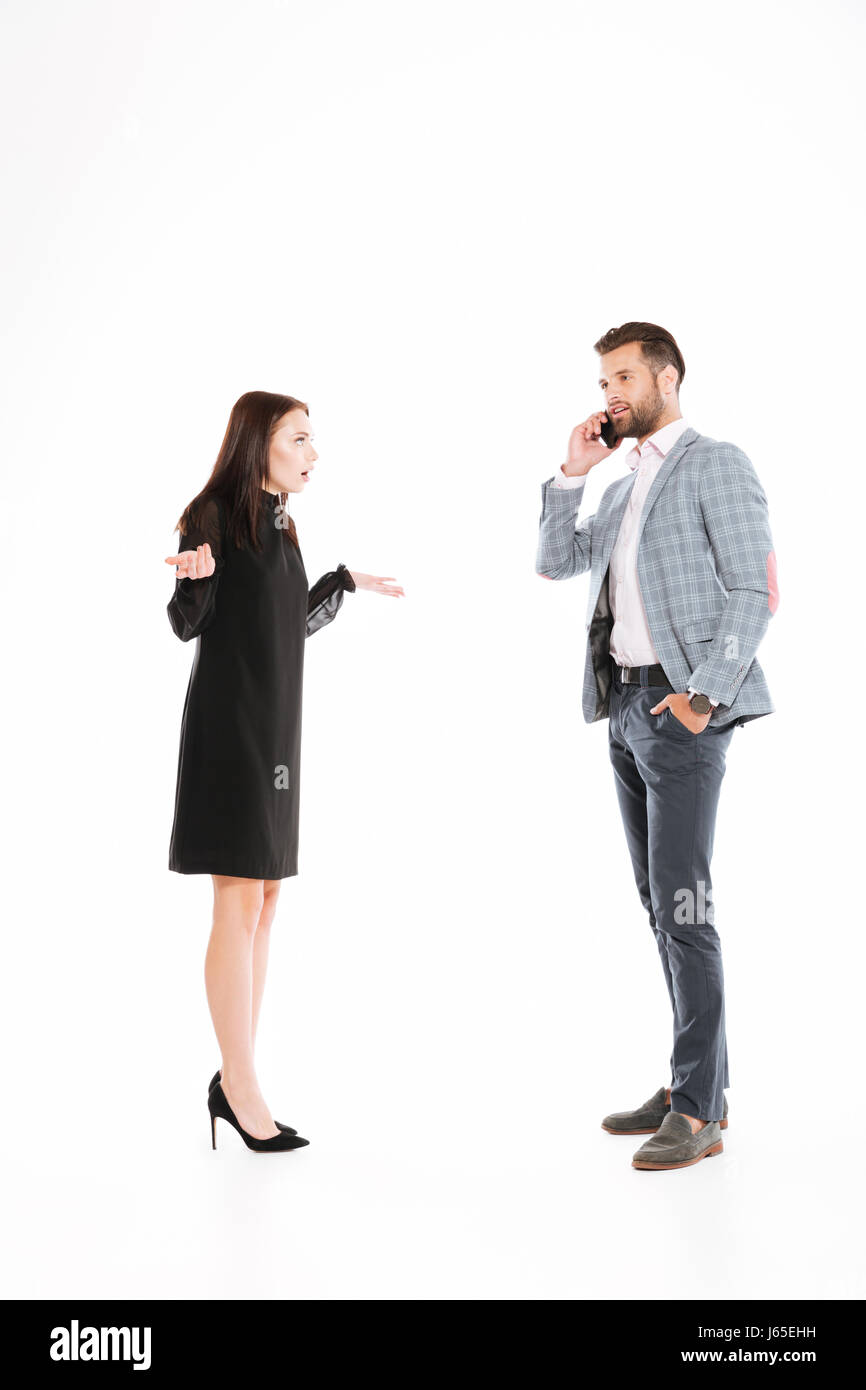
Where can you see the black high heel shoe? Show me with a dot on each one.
(221, 1110)
(217, 1078)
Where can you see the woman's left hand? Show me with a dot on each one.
(377, 584)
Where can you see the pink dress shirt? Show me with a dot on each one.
(630, 640)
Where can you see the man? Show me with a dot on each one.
(682, 587)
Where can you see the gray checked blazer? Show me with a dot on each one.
(706, 569)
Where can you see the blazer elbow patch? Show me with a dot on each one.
(772, 582)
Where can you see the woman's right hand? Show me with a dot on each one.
(193, 564)
(585, 446)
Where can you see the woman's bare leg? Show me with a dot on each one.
(228, 970)
(261, 945)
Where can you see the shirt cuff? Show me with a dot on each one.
(692, 691)
(346, 578)
(560, 479)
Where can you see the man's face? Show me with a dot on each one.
(627, 381)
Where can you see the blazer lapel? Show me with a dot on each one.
(671, 459)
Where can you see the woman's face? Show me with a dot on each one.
(291, 455)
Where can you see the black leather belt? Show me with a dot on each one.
(630, 675)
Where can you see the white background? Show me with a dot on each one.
(419, 218)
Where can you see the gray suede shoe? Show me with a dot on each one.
(647, 1118)
(674, 1146)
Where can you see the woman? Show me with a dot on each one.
(241, 591)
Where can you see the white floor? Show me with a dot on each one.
(397, 1199)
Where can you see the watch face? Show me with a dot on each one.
(701, 704)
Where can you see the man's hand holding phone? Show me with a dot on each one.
(586, 447)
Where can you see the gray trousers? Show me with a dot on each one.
(668, 781)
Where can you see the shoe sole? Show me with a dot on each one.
(661, 1167)
(723, 1124)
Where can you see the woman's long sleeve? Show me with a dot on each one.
(326, 598)
(193, 604)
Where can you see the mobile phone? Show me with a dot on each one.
(608, 433)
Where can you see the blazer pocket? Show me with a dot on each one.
(702, 631)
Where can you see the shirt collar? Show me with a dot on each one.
(659, 443)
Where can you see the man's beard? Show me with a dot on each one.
(640, 419)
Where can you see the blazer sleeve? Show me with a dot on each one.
(563, 550)
(192, 606)
(737, 524)
(325, 598)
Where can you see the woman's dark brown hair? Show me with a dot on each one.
(241, 469)
(658, 347)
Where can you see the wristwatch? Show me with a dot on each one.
(701, 704)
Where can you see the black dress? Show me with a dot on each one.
(237, 799)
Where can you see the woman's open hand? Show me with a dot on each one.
(377, 583)
(193, 564)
